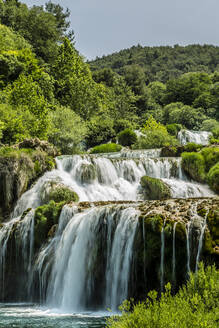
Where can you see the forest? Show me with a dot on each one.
(49, 91)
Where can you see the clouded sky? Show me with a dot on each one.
(105, 26)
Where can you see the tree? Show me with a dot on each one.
(155, 135)
(74, 86)
(43, 28)
(67, 130)
(187, 88)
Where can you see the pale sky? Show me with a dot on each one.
(104, 26)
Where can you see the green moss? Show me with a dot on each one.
(213, 224)
(181, 231)
(45, 217)
(155, 188)
(194, 165)
(154, 223)
(63, 194)
(106, 148)
(213, 177)
(208, 243)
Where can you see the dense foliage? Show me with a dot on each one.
(195, 305)
(47, 90)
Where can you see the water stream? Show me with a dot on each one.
(87, 265)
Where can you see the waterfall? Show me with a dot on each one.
(76, 256)
(5, 232)
(198, 137)
(188, 226)
(174, 255)
(118, 263)
(200, 243)
(144, 240)
(162, 257)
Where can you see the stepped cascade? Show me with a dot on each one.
(198, 137)
(114, 243)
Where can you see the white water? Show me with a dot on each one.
(203, 227)
(188, 228)
(76, 254)
(198, 137)
(65, 266)
(162, 258)
(174, 255)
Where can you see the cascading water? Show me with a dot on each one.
(200, 243)
(88, 262)
(188, 228)
(174, 255)
(162, 257)
(76, 255)
(198, 137)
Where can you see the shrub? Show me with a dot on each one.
(211, 156)
(194, 165)
(106, 148)
(195, 305)
(192, 146)
(215, 133)
(173, 129)
(213, 177)
(122, 124)
(127, 137)
(156, 136)
(65, 194)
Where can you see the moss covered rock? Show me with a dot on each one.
(194, 165)
(45, 218)
(63, 194)
(154, 188)
(213, 178)
(19, 168)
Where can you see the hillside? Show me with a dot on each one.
(162, 63)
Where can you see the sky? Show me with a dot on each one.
(102, 27)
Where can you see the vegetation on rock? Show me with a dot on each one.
(127, 137)
(106, 148)
(154, 188)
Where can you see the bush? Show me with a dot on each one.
(106, 148)
(192, 146)
(173, 129)
(194, 165)
(100, 130)
(215, 133)
(63, 194)
(122, 124)
(211, 156)
(213, 177)
(156, 136)
(127, 137)
(195, 305)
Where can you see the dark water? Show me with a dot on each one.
(29, 316)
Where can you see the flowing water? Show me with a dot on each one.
(87, 265)
(32, 316)
(198, 137)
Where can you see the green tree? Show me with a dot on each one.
(67, 130)
(74, 86)
(187, 88)
(42, 27)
